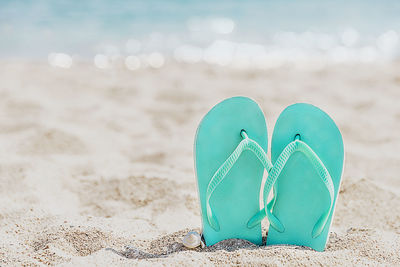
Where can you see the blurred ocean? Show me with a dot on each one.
(238, 33)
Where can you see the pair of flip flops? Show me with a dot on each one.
(230, 158)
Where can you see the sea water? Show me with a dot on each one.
(236, 33)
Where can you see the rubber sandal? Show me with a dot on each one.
(230, 162)
(307, 153)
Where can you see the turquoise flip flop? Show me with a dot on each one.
(305, 184)
(230, 162)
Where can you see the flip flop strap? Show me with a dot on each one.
(223, 170)
(293, 147)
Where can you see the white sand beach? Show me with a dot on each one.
(96, 165)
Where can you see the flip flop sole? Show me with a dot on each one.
(236, 199)
(301, 195)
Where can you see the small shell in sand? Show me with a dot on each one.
(193, 240)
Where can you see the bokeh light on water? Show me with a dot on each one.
(238, 34)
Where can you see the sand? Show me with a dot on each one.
(96, 166)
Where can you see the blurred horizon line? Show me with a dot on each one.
(252, 33)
